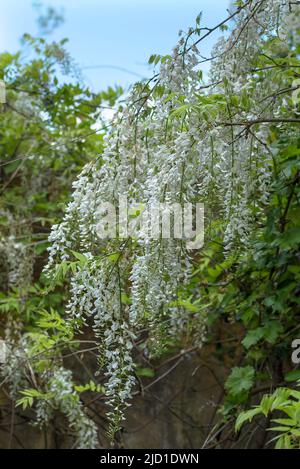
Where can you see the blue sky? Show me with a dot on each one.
(113, 33)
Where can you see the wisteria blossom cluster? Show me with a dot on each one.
(179, 138)
(57, 395)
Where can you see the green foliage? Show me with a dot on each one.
(240, 380)
(30, 395)
(286, 401)
(48, 133)
(91, 386)
(147, 372)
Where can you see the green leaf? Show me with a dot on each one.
(290, 238)
(81, 257)
(252, 337)
(272, 330)
(246, 416)
(293, 375)
(240, 380)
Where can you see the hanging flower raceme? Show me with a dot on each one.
(179, 139)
